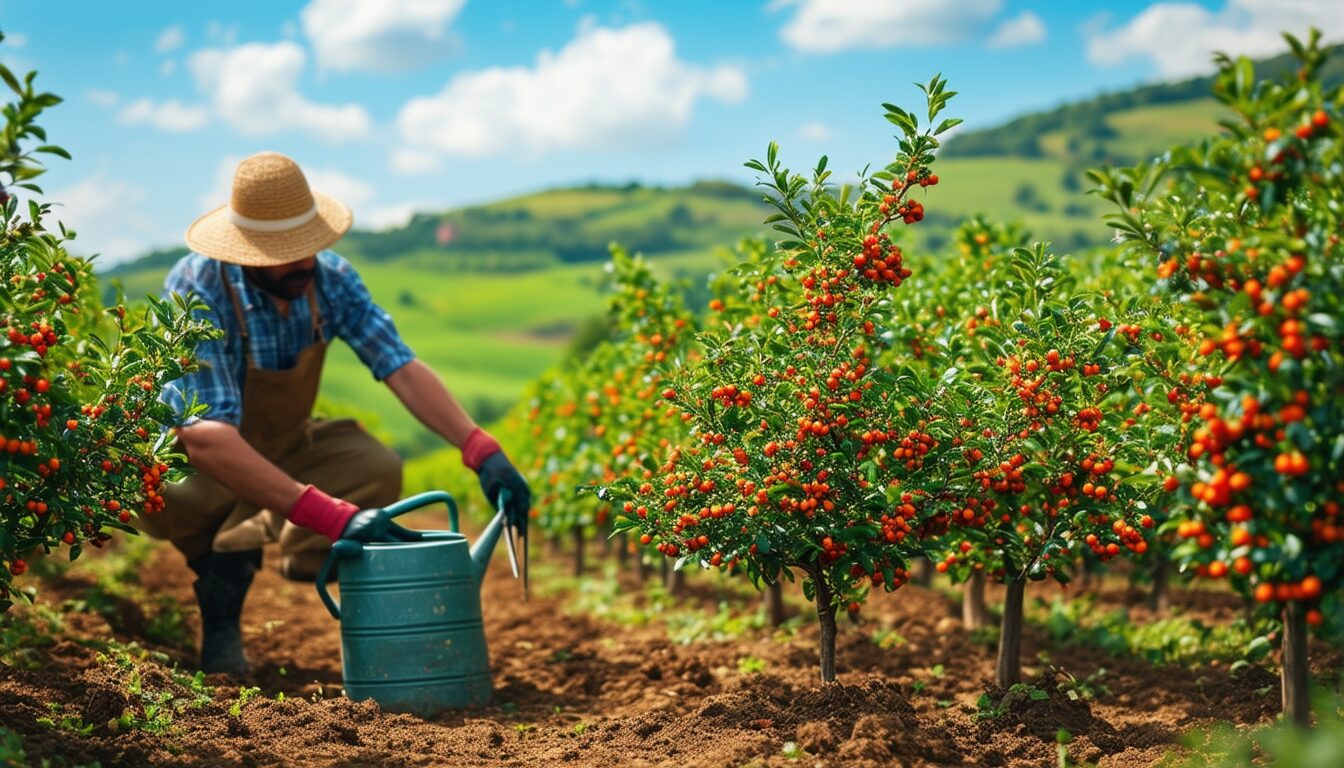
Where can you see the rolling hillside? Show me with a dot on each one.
(492, 295)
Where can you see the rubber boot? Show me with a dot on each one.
(224, 578)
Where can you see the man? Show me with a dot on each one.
(264, 470)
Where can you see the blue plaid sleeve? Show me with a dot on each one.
(215, 383)
(364, 325)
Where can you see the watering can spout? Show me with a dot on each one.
(485, 547)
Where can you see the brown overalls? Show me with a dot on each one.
(338, 456)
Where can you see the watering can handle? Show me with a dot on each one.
(352, 548)
(421, 499)
(342, 548)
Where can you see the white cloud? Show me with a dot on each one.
(16, 39)
(168, 67)
(354, 193)
(815, 131)
(254, 88)
(170, 115)
(386, 36)
(107, 214)
(1026, 29)
(410, 162)
(102, 98)
(1180, 38)
(221, 186)
(828, 26)
(221, 33)
(608, 88)
(170, 39)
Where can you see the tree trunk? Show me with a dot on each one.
(974, 613)
(1296, 702)
(1009, 669)
(923, 571)
(578, 551)
(675, 578)
(1159, 599)
(825, 617)
(774, 604)
(622, 551)
(641, 567)
(604, 534)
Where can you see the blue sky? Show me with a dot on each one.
(402, 105)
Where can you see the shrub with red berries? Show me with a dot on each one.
(804, 454)
(83, 446)
(1244, 229)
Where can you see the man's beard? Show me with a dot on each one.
(289, 287)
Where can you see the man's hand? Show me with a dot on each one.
(496, 474)
(482, 454)
(371, 525)
(319, 512)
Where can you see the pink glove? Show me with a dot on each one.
(319, 512)
(478, 447)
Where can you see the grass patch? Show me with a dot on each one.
(1175, 640)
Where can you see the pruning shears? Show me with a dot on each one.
(511, 538)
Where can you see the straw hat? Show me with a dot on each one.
(272, 217)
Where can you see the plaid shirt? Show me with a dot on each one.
(347, 311)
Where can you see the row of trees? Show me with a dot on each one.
(846, 408)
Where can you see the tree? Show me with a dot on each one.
(804, 455)
(81, 424)
(1244, 229)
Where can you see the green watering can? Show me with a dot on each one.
(410, 613)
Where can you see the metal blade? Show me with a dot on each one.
(509, 544)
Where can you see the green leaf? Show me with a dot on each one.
(947, 124)
(10, 80)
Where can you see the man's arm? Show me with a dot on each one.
(217, 449)
(421, 390)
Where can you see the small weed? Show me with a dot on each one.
(523, 727)
(561, 654)
(245, 694)
(65, 722)
(750, 665)
(579, 728)
(944, 703)
(918, 687)
(937, 671)
(887, 638)
(792, 751)
(989, 709)
(1064, 760)
(1085, 690)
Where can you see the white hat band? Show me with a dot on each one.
(273, 225)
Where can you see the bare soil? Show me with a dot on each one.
(577, 691)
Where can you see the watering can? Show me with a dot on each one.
(410, 613)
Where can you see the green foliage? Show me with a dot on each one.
(1281, 744)
(1243, 229)
(1171, 640)
(245, 694)
(80, 415)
